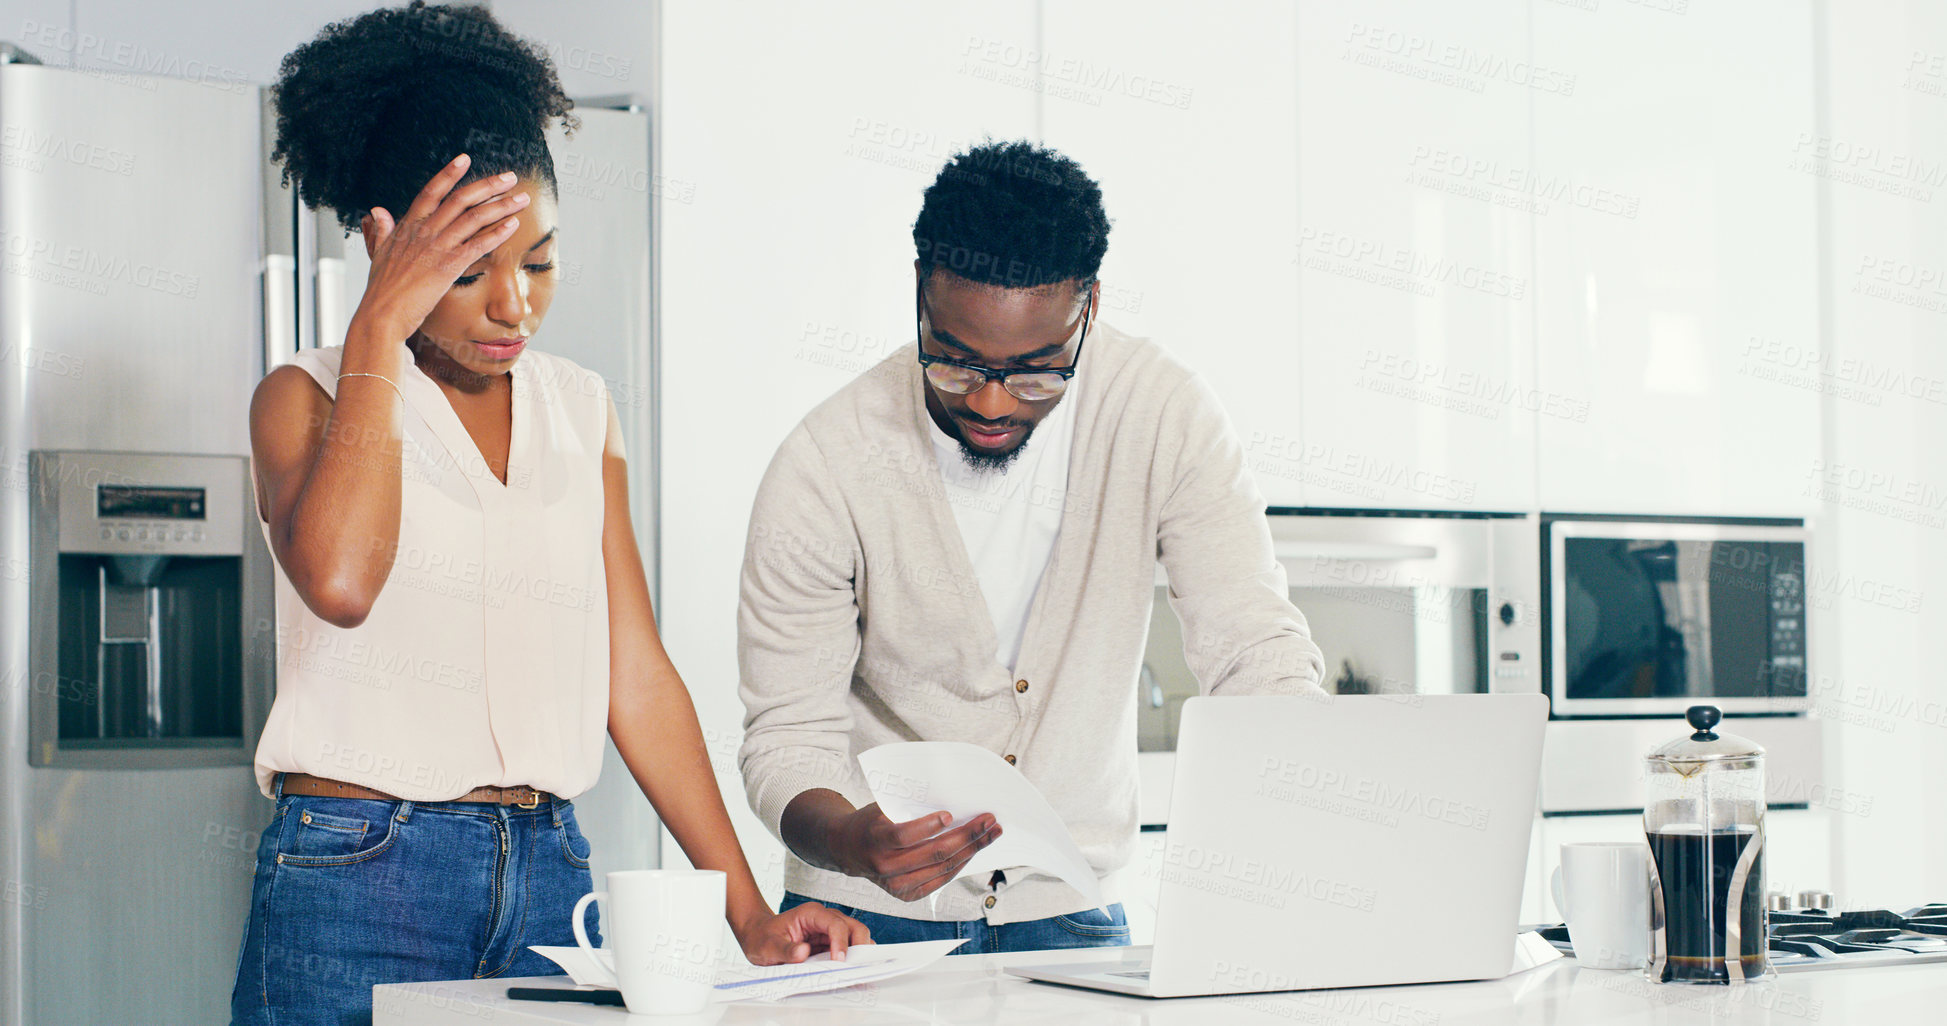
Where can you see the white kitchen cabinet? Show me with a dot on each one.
(1416, 285)
(1522, 254)
(1363, 310)
(1185, 116)
(1884, 75)
(1676, 257)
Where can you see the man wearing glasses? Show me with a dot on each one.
(960, 545)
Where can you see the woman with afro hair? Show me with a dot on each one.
(461, 609)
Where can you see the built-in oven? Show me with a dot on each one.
(1647, 617)
(1400, 602)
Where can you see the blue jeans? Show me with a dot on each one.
(350, 893)
(1088, 929)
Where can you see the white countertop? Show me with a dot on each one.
(972, 989)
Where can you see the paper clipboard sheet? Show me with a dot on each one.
(918, 778)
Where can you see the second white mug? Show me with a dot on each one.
(665, 929)
(1602, 890)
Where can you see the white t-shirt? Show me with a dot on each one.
(1009, 518)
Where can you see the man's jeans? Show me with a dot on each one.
(1088, 929)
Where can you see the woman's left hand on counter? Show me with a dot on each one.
(799, 933)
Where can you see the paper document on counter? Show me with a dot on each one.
(918, 778)
(864, 963)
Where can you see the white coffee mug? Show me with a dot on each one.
(1602, 889)
(665, 929)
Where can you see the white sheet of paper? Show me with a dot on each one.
(587, 970)
(864, 963)
(918, 778)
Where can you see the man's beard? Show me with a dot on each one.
(986, 462)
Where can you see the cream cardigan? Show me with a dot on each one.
(861, 622)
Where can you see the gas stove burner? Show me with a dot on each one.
(1804, 939)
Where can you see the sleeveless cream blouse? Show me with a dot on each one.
(485, 657)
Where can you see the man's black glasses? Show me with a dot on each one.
(1035, 386)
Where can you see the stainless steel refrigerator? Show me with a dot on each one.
(152, 269)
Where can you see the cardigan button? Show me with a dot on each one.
(1009, 758)
(1020, 686)
(989, 902)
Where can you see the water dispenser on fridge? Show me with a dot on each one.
(151, 644)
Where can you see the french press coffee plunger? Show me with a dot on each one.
(1705, 826)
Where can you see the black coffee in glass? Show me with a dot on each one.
(1695, 869)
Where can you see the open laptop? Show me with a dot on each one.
(1344, 841)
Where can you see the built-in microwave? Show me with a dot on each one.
(1646, 617)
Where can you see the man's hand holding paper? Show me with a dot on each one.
(952, 782)
(912, 859)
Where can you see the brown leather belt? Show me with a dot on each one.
(306, 784)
